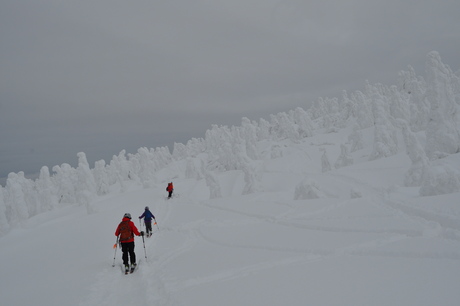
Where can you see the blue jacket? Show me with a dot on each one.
(147, 215)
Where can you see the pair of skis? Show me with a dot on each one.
(131, 269)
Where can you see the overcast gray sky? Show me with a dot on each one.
(102, 76)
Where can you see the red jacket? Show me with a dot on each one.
(133, 229)
(170, 187)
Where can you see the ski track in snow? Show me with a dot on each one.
(156, 287)
(362, 249)
(302, 255)
(229, 274)
(428, 220)
(145, 285)
(430, 223)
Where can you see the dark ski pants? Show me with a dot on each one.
(148, 226)
(170, 194)
(128, 249)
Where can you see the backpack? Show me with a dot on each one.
(125, 231)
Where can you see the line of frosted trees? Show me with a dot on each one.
(423, 112)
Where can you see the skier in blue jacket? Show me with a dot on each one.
(148, 216)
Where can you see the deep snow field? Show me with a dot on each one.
(365, 240)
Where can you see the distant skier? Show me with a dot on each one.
(170, 189)
(125, 233)
(148, 216)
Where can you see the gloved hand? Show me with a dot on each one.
(142, 233)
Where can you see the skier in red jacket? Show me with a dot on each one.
(125, 233)
(170, 190)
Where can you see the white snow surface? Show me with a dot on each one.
(388, 247)
(279, 222)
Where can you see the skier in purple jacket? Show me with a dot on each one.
(148, 216)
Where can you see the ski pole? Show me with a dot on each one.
(115, 255)
(156, 223)
(143, 242)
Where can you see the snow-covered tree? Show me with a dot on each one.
(65, 180)
(414, 87)
(15, 203)
(213, 183)
(303, 121)
(385, 137)
(146, 163)
(249, 134)
(263, 132)
(101, 178)
(191, 170)
(30, 194)
(442, 133)
(415, 151)
(162, 157)
(440, 180)
(47, 197)
(362, 109)
(356, 138)
(4, 224)
(252, 182)
(121, 166)
(86, 185)
(179, 151)
(283, 127)
(344, 159)
(325, 164)
(119, 170)
(307, 189)
(195, 146)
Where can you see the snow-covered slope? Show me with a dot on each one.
(365, 240)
